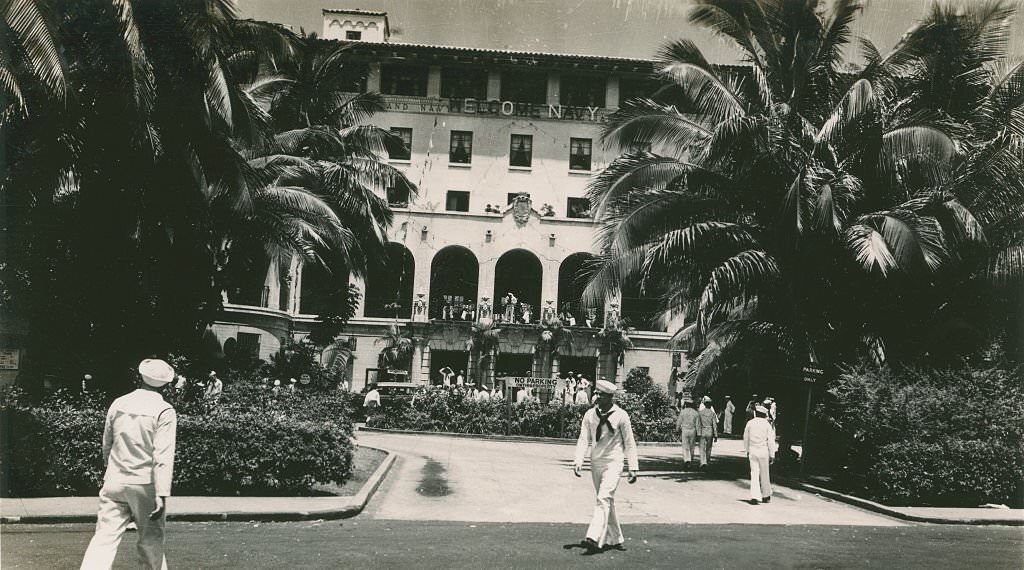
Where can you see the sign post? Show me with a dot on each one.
(812, 373)
(553, 384)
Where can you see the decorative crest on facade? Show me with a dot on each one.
(522, 205)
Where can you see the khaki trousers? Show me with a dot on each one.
(689, 438)
(604, 525)
(706, 442)
(119, 505)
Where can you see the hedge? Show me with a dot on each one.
(247, 443)
(908, 436)
(439, 409)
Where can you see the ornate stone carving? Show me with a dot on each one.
(419, 308)
(548, 312)
(522, 205)
(484, 311)
(611, 319)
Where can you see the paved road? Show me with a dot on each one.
(366, 543)
(456, 479)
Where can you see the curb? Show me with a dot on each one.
(352, 507)
(890, 511)
(498, 437)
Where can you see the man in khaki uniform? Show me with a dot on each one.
(688, 424)
(708, 430)
(138, 450)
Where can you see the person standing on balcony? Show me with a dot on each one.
(607, 431)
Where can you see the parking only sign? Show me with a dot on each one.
(813, 373)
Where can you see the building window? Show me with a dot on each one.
(579, 154)
(408, 80)
(582, 90)
(636, 88)
(463, 83)
(520, 151)
(457, 201)
(401, 149)
(353, 35)
(352, 77)
(461, 149)
(524, 86)
(398, 196)
(578, 208)
(248, 344)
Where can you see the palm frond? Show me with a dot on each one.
(645, 121)
(35, 38)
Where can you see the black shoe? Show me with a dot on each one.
(620, 547)
(766, 499)
(591, 545)
(754, 502)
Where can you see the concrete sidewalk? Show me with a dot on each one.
(657, 465)
(729, 457)
(46, 510)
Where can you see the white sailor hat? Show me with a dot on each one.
(606, 387)
(156, 372)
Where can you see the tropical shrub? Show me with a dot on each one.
(949, 437)
(248, 441)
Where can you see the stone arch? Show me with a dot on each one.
(391, 282)
(642, 305)
(322, 289)
(454, 273)
(520, 272)
(573, 274)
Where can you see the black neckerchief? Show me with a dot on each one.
(603, 420)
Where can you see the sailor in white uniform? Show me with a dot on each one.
(607, 431)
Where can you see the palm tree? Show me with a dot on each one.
(121, 142)
(791, 212)
(397, 351)
(484, 342)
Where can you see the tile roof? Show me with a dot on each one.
(347, 11)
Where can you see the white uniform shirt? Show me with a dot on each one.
(371, 396)
(759, 434)
(138, 441)
(613, 446)
(581, 397)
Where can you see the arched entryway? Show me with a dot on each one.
(573, 275)
(323, 290)
(518, 272)
(454, 274)
(642, 306)
(390, 283)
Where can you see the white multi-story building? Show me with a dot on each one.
(501, 146)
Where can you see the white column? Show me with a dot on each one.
(296, 280)
(549, 287)
(494, 85)
(485, 285)
(611, 93)
(434, 82)
(273, 283)
(554, 88)
(373, 77)
(361, 286)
